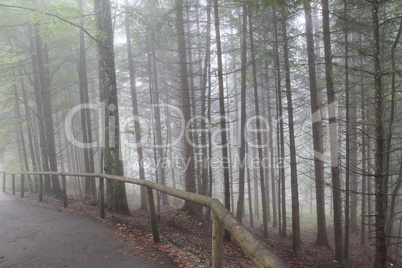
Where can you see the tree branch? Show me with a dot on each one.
(55, 16)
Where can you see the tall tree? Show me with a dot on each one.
(21, 139)
(271, 149)
(317, 129)
(223, 130)
(134, 101)
(31, 138)
(333, 134)
(116, 191)
(153, 7)
(281, 139)
(243, 118)
(204, 82)
(351, 150)
(395, 191)
(185, 102)
(90, 188)
(380, 177)
(46, 101)
(292, 144)
(258, 127)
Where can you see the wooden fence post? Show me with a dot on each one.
(40, 188)
(152, 213)
(13, 177)
(22, 185)
(4, 182)
(101, 197)
(217, 242)
(63, 183)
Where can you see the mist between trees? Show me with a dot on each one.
(183, 130)
(180, 164)
(266, 105)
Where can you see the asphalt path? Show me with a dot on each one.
(32, 236)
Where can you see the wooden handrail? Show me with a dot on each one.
(260, 254)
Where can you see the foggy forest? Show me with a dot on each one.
(288, 112)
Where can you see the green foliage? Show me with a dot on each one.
(143, 21)
(10, 55)
(52, 25)
(260, 4)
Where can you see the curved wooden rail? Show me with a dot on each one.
(261, 255)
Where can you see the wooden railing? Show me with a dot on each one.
(260, 254)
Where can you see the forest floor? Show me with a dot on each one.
(187, 240)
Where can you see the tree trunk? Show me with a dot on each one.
(134, 101)
(243, 119)
(281, 140)
(317, 127)
(185, 101)
(380, 176)
(24, 155)
(292, 145)
(158, 124)
(39, 113)
(250, 199)
(31, 138)
(258, 127)
(395, 191)
(272, 156)
(271, 147)
(90, 191)
(116, 191)
(190, 64)
(347, 139)
(160, 155)
(333, 136)
(45, 94)
(224, 141)
(204, 80)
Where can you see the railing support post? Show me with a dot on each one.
(217, 242)
(101, 198)
(13, 177)
(4, 182)
(40, 188)
(22, 185)
(152, 214)
(63, 183)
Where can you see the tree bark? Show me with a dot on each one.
(116, 191)
(258, 127)
(204, 80)
(243, 119)
(393, 202)
(90, 189)
(317, 127)
(24, 154)
(224, 141)
(281, 140)
(380, 176)
(45, 95)
(333, 135)
(292, 145)
(31, 138)
(134, 102)
(185, 101)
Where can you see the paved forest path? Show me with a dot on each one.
(32, 236)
